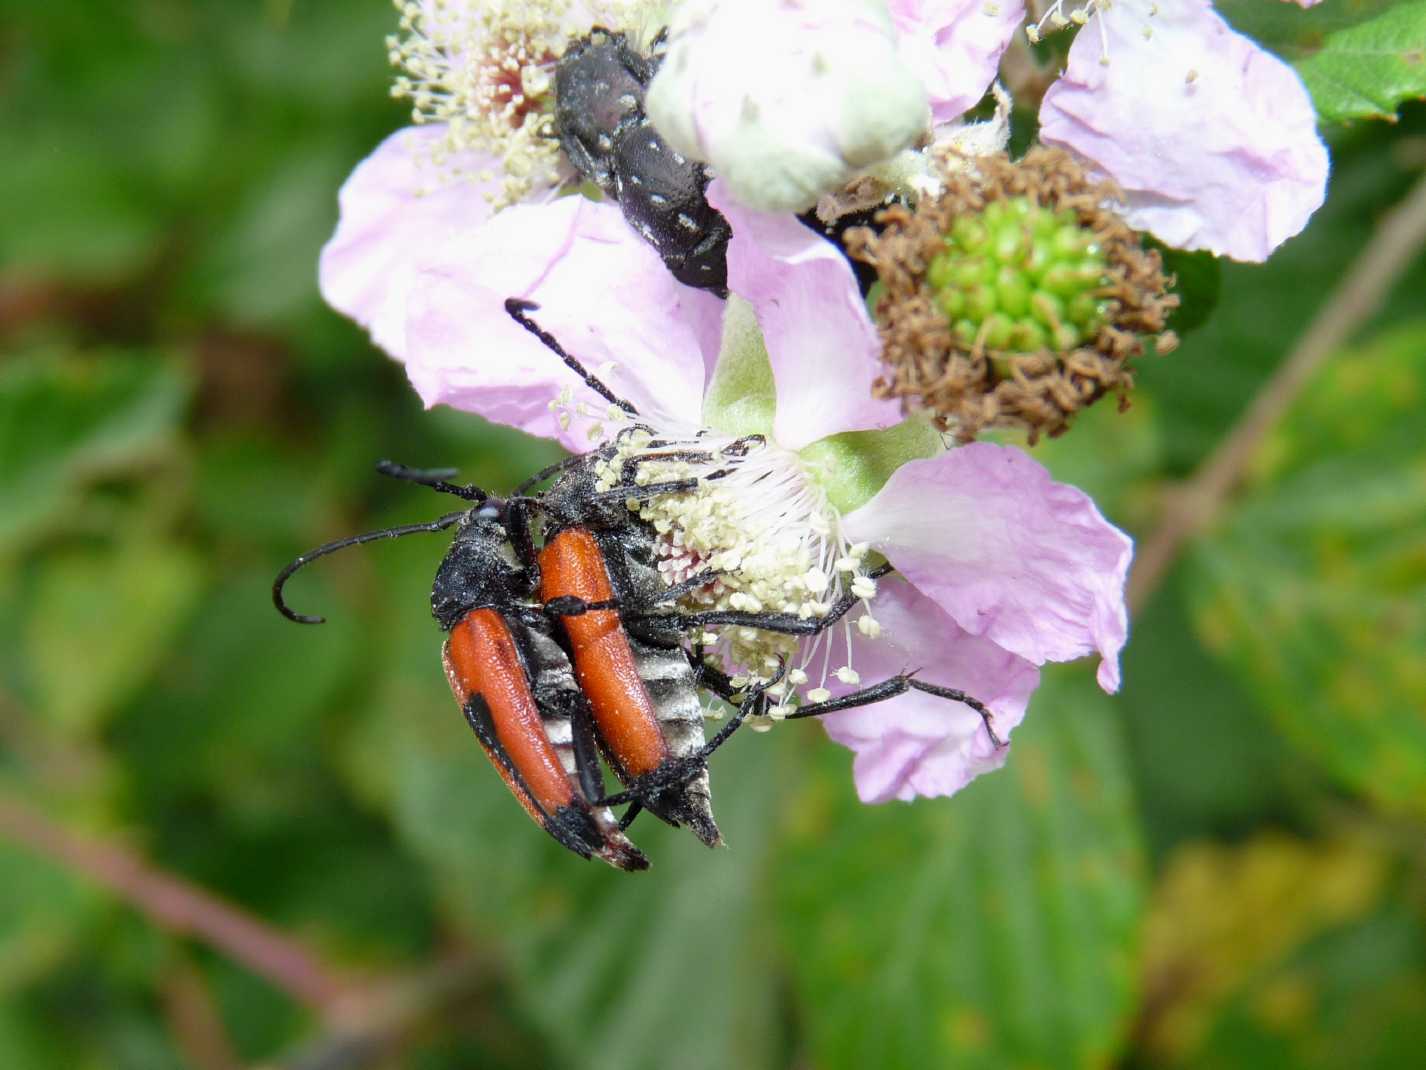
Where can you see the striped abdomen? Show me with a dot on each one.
(644, 697)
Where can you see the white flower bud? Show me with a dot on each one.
(786, 101)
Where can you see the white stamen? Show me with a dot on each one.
(484, 72)
(764, 523)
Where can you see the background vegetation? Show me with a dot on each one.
(226, 841)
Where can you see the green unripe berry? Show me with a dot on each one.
(1019, 278)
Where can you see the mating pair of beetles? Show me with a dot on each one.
(574, 649)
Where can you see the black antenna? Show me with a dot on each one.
(517, 307)
(355, 540)
(545, 473)
(435, 478)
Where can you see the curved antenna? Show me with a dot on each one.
(517, 307)
(355, 540)
(435, 478)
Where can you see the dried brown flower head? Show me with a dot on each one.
(1015, 298)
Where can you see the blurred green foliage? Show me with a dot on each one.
(1220, 867)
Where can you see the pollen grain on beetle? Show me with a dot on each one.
(767, 529)
(1015, 298)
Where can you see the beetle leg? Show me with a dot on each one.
(648, 490)
(586, 749)
(890, 688)
(785, 623)
(678, 770)
(517, 524)
(635, 809)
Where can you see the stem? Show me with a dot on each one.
(1198, 504)
(372, 1030)
(182, 907)
(193, 1017)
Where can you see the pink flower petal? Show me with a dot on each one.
(955, 47)
(1213, 140)
(919, 744)
(1010, 554)
(604, 293)
(822, 344)
(394, 207)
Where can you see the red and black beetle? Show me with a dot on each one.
(564, 651)
(510, 676)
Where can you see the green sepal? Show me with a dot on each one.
(742, 400)
(853, 466)
(742, 397)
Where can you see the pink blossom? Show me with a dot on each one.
(602, 289)
(997, 543)
(1213, 140)
(393, 209)
(791, 99)
(797, 282)
(954, 47)
(431, 193)
(920, 744)
(999, 567)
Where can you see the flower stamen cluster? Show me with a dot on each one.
(485, 71)
(767, 530)
(1059, 16)
(1015, 298)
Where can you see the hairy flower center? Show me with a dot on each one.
(484, 71)
(764, 530)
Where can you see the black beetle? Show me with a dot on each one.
(599, 116)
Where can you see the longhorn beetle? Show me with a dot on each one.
(558, 652)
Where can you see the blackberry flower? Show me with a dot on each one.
(998, 568)
(1211, 139)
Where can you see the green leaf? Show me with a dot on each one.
(1366, 71)
(1206, 756)
(673, 960)
(1353, 997)
(619, 969)
(236, 707)
(1198, 281)
(996, 928)
(1314, 588)
(65, 420)
(100, 621)
(1360, 60)
(42, 913)
(1282, 952)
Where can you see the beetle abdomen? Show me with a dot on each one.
(490, 680)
